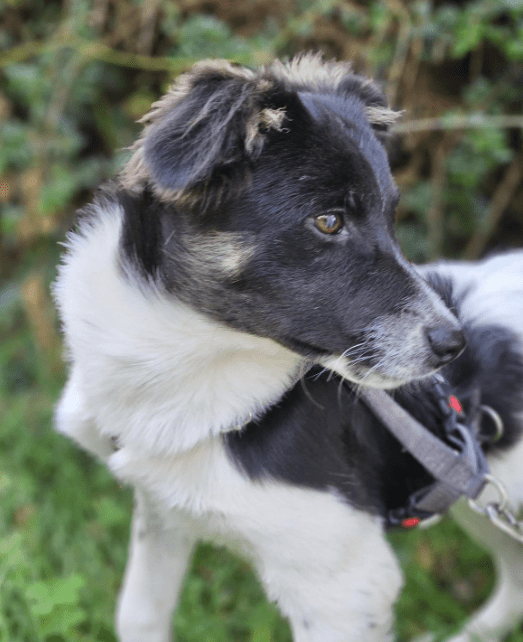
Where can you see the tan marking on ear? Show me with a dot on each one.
(272, 118)
(269, 118)
(382, 115)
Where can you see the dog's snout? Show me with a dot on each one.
(446, 343)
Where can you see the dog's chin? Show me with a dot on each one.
(364, 376)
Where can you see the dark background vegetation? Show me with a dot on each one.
(74, 77)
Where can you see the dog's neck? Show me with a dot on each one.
(157, 373)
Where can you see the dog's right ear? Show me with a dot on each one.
(214, 117)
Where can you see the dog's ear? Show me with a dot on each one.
(215, 117)
(377, 111)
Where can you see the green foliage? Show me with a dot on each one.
(451, 33)
(207, 37)
(446, 578)
(54, 605)
(15, 145)
(466, 27)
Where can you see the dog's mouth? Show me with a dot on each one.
(323, 355)
(361, 367)
(306, 349)
(360, 374)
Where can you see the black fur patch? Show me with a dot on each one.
(141, 231)
(444, 286)
(321, 436)
(491, 362)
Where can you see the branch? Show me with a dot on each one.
(500, 200)
(100, 51)
(397, 67)
(472, 121)
(434, 214)
(28, 50)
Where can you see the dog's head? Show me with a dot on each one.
(265, 201)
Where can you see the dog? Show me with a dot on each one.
(224, 299)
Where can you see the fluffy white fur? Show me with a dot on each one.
(153, 372)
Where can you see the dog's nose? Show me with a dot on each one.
(446, 343)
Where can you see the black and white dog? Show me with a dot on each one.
(217, 298)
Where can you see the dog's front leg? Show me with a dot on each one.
(329, 568)
(158, 558)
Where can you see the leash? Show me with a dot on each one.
(459, 468)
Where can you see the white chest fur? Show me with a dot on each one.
(148, 369)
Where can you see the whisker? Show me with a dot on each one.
(317, 376)
(308, 394)
(340, 388)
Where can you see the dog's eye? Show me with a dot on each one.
(329, 223)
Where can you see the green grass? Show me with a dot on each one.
(64, 530)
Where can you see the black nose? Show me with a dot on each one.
(446, 343)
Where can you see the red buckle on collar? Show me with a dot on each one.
(410, 522)
(454, 403)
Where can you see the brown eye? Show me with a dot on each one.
(329, 223)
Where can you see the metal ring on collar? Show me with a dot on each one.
(503, 496)
(498, 422)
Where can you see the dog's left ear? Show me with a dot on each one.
(380, 116)
(215, 116)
